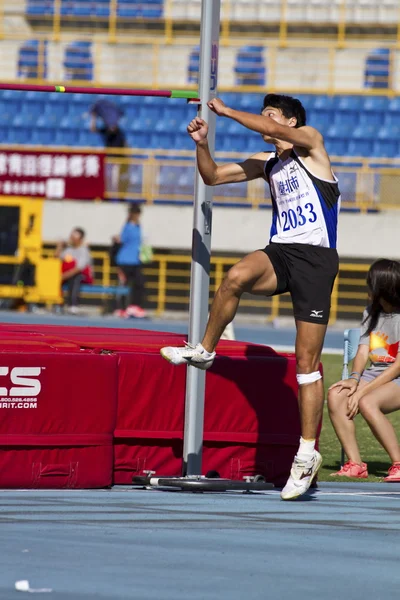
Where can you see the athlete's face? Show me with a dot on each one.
(277, 115)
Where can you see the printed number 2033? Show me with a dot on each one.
(293, 219)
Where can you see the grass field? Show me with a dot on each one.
(371, 452)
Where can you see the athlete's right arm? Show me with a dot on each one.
(213, 174)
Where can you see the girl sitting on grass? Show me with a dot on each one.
(374, 392)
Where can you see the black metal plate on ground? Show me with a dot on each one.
(210, 485)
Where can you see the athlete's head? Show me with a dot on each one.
(284, 110)
(383, 281)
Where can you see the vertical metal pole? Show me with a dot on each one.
(201, 243)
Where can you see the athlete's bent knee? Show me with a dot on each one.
(307, 378)
(236, 279)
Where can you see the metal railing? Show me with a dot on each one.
(339, 19)
(168, 286)
(163, 176)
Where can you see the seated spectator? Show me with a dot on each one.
(374, 392)
(76, 266)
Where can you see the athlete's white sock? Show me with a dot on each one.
(306, 449)
(204, 351)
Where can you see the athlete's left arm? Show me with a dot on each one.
(305, 137)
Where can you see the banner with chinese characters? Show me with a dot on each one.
(53, 174)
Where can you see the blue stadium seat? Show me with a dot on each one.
(45, 136)
(40, 7)
(250, 66)
(336, 147)
(392, 119)
(389, 132)
(372, 118)
(346, 103)
(337, 131)
(87, 138)
(360, 147)
(394, 104)
(32, 60)
(101, 10)
(8, 111)
(348, 118)
(320, 119)
(386, 148)
(66, 137)
(72, 122)
(78, 61)
(375, 103)
(365, 132)
(323, 102)
(19, 135)
(377, 69)
(4, 131)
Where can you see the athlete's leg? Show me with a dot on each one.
(254, 274)
(309, 341)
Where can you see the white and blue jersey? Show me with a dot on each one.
(305, 207)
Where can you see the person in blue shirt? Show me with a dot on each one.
(128, 261)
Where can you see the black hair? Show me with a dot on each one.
(383, 281)
(135, 209)
(81, 232)
(290, 107)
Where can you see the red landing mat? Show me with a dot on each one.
(57, 417)
(251, 417)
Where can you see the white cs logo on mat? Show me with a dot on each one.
(25, 387)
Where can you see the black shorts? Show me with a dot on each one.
(308, 273)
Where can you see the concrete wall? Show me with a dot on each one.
(234, 229)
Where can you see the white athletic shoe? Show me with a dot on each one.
(188, 355)
(301, 476)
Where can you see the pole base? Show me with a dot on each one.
(199, 483)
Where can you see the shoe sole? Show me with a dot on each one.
(201, 366)
(297, 495)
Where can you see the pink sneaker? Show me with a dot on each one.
(352, 469)
(119, 313)
(135, 311)
(393, 474)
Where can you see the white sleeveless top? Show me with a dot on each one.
(305, 207)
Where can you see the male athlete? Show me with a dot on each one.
(301, 257)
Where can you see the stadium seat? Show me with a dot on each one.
(323, 102)
(392, 119)
(348, 103)
(250, 66)
(365, 132)
(336, 147)
(394, 104)
(43, 137)
(78, 62)
(348, 118)
(377, 69)
(375, 103)
(362, 147)
(386, 148)
(375, 117)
